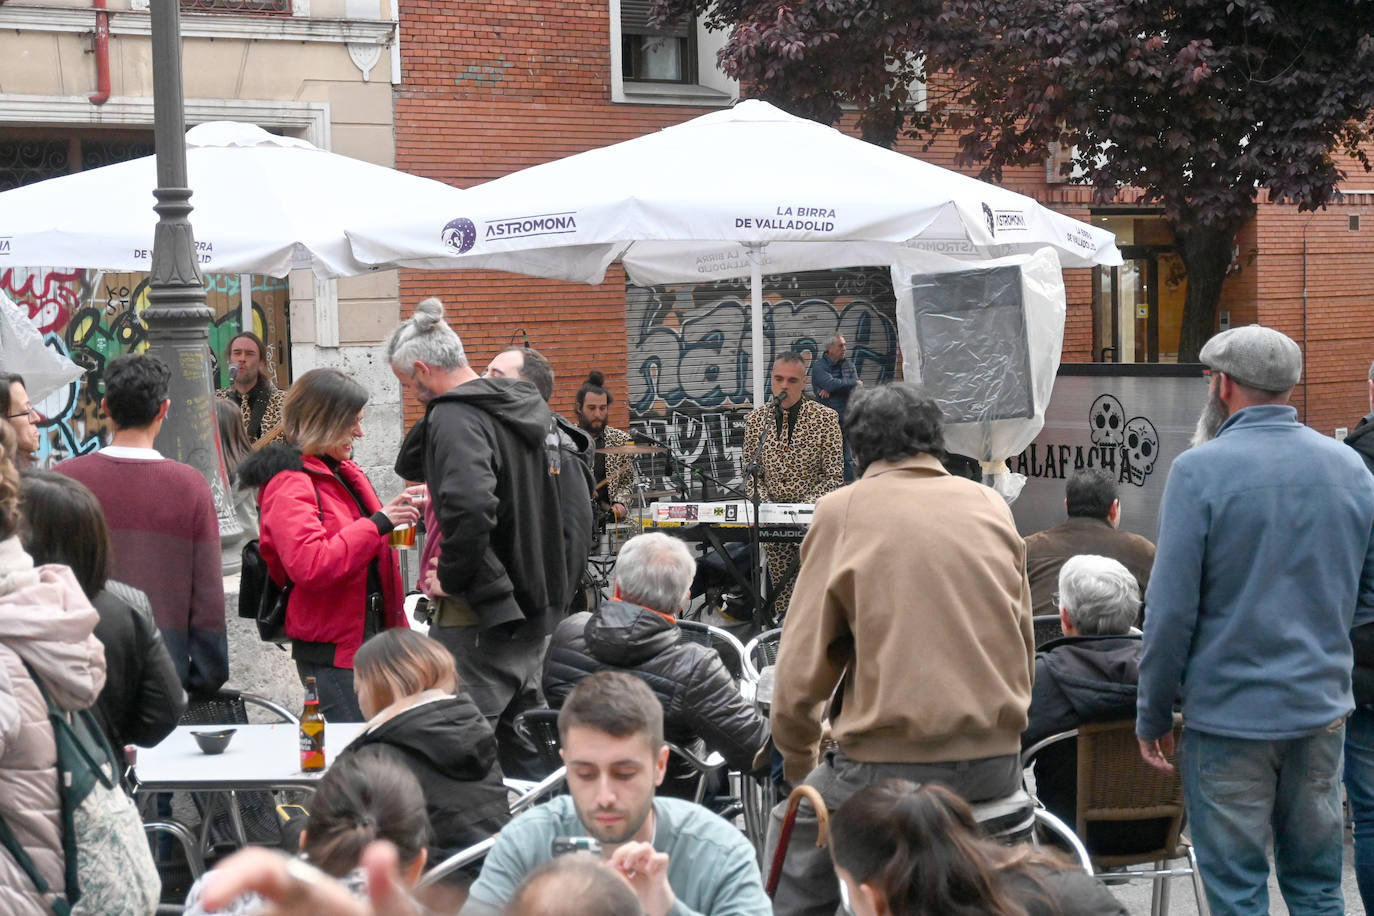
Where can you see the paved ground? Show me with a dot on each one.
(1136, 894)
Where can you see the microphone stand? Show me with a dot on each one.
(753, 471)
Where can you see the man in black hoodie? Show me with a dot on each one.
(494, 566)
(569, 448)
(1088, 675)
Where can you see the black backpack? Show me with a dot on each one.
(260, 598)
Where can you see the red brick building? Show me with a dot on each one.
(507, 85)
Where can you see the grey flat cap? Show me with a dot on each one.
(1256, 357)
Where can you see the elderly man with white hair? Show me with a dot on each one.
(1088, 675)
(637, 632)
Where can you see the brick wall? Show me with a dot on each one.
(1333, 319)
(507, 85)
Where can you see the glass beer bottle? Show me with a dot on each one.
(312, 730)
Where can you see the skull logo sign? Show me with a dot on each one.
(1141, 448)
(1107, 421)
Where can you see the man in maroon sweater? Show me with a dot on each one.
(162, 519)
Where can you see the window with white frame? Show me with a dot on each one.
(672, 63)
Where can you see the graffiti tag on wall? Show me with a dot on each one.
(93, 317)
(690, 363)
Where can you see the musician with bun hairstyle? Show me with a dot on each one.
(494, 565)
(613, 472)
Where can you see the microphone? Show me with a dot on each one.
(233, 372)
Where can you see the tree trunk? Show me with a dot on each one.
(1206, 253)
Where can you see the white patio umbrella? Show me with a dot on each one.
(262, 204)
(733, 193)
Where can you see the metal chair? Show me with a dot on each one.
(1116, 786)
(235, 818)
(760, 652)
(730, 649)
(1047, 627)
(540, 728)
(529, 794)
(461, 859)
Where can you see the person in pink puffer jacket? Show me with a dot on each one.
(46, 621)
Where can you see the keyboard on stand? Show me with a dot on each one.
(778, 522)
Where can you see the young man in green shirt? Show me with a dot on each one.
(679, 858)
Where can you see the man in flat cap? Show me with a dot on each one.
(1265, 560)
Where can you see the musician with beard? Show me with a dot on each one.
(614, 474)
(1265, 559)
(796, 445)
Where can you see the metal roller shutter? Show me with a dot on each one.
(689, 357)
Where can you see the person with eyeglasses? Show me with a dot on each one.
(22, 417)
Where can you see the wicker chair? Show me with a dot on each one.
(234, 819)
(729, 648)
(540, 727)
(1116, 785)
(761, 651)
(1047, 627)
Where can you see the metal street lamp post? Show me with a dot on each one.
(177, 317)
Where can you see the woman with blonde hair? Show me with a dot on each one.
(324, 529)
(408, 690)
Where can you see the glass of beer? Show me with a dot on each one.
(402, 537)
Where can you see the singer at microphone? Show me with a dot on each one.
(259, 401)
(800, 454)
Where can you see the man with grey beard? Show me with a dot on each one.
(1265, 559)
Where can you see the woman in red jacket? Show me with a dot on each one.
(324, 529)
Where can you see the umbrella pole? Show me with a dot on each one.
(756, 319)
(759, 573)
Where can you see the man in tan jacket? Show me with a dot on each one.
(913, 600)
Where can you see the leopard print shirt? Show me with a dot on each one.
(271, 414)
(620, 479)
(803, 467)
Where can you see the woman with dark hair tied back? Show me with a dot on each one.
(142, 699)
(324, 529)
(909, 850)
(366, 797)
(408, 690)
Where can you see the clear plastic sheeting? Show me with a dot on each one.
(984, 338)
(23, 351)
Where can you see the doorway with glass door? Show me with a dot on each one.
(1138, 306)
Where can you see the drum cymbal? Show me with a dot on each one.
(631, 450)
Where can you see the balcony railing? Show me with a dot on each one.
(238, 7)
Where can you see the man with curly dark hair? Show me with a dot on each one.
(162, 520)
(913, 600)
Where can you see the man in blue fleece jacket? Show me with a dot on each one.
(1265, 560)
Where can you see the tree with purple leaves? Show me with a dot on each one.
(1201, 104)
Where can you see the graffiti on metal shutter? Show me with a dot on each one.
(93, 317)
(690, 357)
